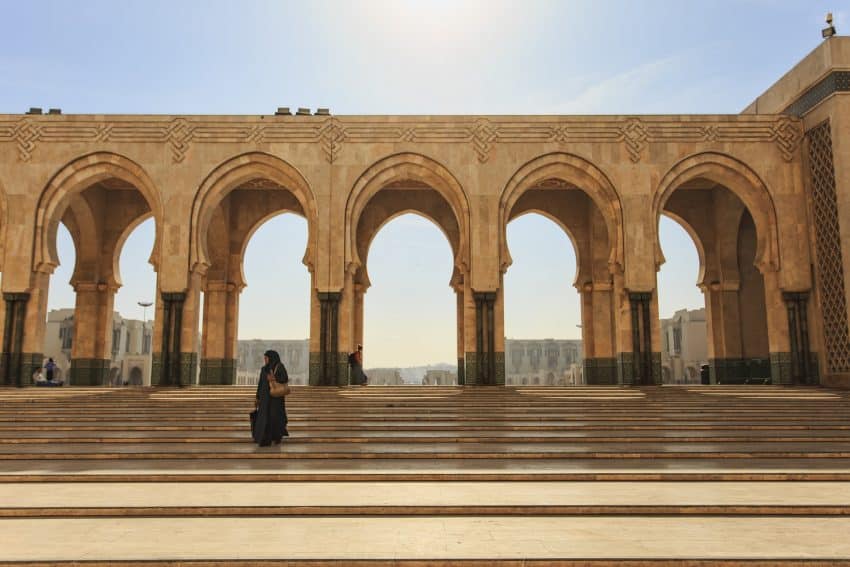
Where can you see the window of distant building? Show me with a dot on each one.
(677, 340)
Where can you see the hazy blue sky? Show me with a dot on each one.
(383, 57)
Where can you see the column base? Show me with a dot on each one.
(750, 370)
(500, 369)
(627, 370)
(217, 372)
(467, 372)
(600, 371)
(89, 372)
(28, 362)
(187, 370)
(315, 376)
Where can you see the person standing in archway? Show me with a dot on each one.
(355, 360)
(270, 421)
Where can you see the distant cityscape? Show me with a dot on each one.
(528, 362)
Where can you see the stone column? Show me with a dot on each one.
(359, 296)
(778, 337)
(485, 340)
(14, 370)
(167, 363)
(330, 368)
(218, 357)
(723, 321)
(597, 318)
(91, 351)
(643, 366)
(461, 379)
(803, 363)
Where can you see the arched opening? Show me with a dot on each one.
(410, 308)
(580, 199)
(732, 253)
(542, 310)
(86, 216)
(399, 184)
(243, 202)
(274, 307)
(681, 305)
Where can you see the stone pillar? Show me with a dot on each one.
(803, 362)
(330, 366)
(597, 320)
(723, 327)
(461, 379)
(167, 363)
(14, 370)
(643, 366)
(218, 346)
(359, 296)
(485, 339)
(778, 336)
(91, 350)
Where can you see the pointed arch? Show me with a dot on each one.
(740, 179)
(576, 171)
(235, 172)
(399, 168)
(74, 178)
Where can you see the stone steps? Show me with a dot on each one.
(453, 476)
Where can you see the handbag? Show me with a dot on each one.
(276, 389)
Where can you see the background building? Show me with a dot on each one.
(130, 360)
(543, 362)
(684, 346)
(384, 376)
(439, 378)
(295, 355)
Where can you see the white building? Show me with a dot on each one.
(130, 363)
(295, 355)
(684, 346)
(543, 362)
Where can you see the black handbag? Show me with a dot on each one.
(253, 416)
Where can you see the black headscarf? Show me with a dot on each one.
(274, 360)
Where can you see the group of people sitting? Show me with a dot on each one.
(49, 375)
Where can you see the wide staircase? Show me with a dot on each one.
(427, 475)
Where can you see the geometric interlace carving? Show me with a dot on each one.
(830, 268)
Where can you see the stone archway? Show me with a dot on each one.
(237, 172)
(581, 199)
(101, 198)
(234, 200)
(729, 213)
(395, 185)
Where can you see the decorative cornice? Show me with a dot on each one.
(837, 81)
(483, 134)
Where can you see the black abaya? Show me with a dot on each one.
(271, 412)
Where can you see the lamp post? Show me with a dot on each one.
(144, 305)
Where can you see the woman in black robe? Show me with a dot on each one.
(270, 424)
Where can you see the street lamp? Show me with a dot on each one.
(144, 305)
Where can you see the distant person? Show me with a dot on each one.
(270, 422)
(50, 369)
(355, 361)
(38, 378)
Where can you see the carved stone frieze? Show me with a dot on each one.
(481, 134)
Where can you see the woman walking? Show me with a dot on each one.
(270, 424)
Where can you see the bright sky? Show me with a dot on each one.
(386, 57)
